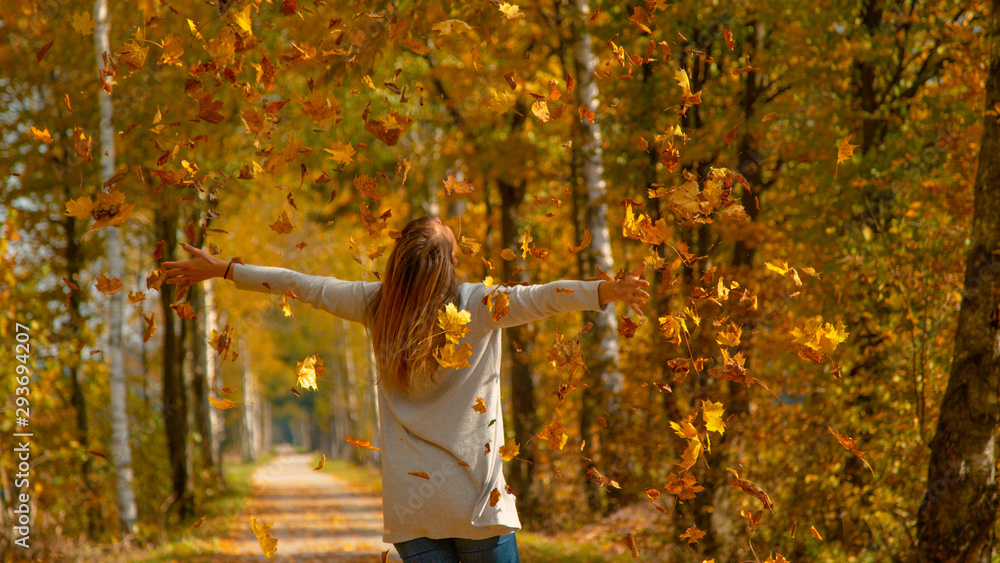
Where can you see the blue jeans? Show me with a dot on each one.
(498, 549)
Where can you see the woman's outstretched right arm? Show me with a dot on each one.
(342, 298)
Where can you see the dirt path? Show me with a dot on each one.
(317, 517)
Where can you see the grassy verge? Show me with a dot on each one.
(222, 514)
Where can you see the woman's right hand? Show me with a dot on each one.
(188, 272)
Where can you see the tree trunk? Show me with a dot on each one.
(216, 425)
(251, 413)
(603, 397)
(174, 395)
(121, 454)
(522, 386)
(958, 514)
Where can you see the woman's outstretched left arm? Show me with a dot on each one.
(342, 298)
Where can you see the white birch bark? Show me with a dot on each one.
(592, 171)
(121, 453)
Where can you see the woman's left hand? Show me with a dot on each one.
(629, 289)
(202, 267)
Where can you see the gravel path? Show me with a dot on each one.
(317, 517)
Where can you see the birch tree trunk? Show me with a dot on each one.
(957, 518)
(121, 454)
(603, 364)
(251, 414)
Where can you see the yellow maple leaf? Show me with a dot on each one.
(172, 50)
(776, 558)
(448, 28)
(730, 336)
(341, 153)
(322, 462)
(83, 24)
(500, 100)
(672, 328)
(851, 445)
(268, 544)
(691, 454)
(222, 404)
(782, 267)
(511, 11)
(553, 433)
(499, 304)
(452, 322)
(307, 370)
(509, 450)
(42, 135)
(452, 356)
(480, 406)
(361, 443)
(541, 111)
(242, 20)
(80, 208)
(846, 150)
(712, 412)
(822, 338)
(685, 429)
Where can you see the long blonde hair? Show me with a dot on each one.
(402, 314)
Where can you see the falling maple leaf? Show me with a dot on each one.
(421, 474)
(108, 286)
(494, 497)
(752, 489)
(553, 433)
(307, 370)
(684, 487)
(584, 244)
(455, 186)
(199, 522)
(776, 558)
(42, 135)
(453, 322)
(222, 342)
(820, 337)
(712, 412)
(509, 450)
(110, 209)
(41, 55)
(851, 445)
(566, 354)
(283, 225)
(82, 144)
(730, 336)
(782, 268)
(448, 28)
(361, 443)
(600, 479)
(341, 153)
(452, 356)
(673, 327)
(480, 406)
(692, 535)
(511, 11)
(222, 404)
(150, 326)
(688, 99)
(844, 152)
(322, 462)
(499, 304)
(631, 545)
(268, 545)
(97, 453)
(83, 24)
(541, 111)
